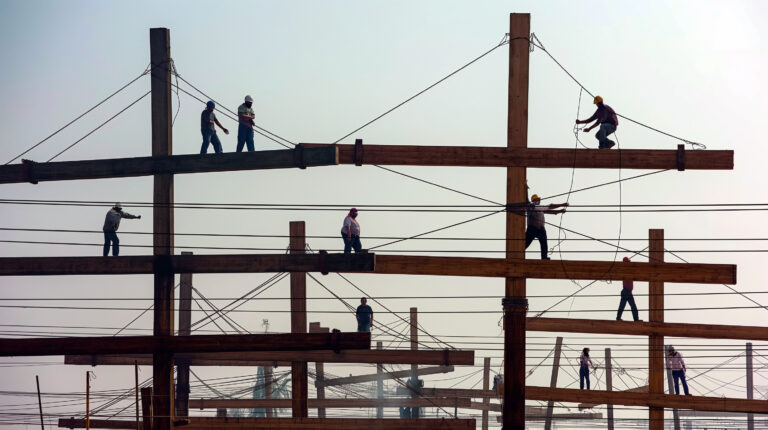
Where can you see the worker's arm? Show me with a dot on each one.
(129, 216)
(588, 120)
(551, 208)
(221, 126)
(371, 318)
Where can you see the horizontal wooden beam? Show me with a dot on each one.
(258, 358)
(705, 331)
(642, 389)
(452, 392)
(187, 263)
(418, 402)
(388, 375)
(216, 423)
(180, 344)
(556, 269)
(669, 401)
(478, 156)
(174, 164)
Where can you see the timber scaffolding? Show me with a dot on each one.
(163, 349)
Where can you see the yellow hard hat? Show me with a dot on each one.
(534, 197)
(598, 99)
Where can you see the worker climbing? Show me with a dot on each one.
(111, 224)
(606, 117)
(536, 230)
(350, 232)
(245, 116)
(627, 297)
(208, 123)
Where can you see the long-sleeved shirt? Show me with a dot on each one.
(585, 361)
(112, 220)
(604, 114)
(675, 361)
(350, 226)
(536, 215)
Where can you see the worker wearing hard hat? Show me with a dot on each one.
(208, 123)
(111, 224)
(535, 213)
(245, 116)
(627, 297)
(606, 117)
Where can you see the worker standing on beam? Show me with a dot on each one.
(606, 117)
(245, 116)
(364, 315)
(536, 230)
(350, 232)
(208, 123)
(627, 297)
(111, 224)
(584, 364)
(676, 363)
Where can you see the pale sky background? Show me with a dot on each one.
(318, 70)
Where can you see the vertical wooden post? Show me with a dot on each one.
(514, 303)
(136, 382)
(750, 386)
(162, 363)
(146, 408)
(553, 381)
(87, 400)
(486, 387)
(379, 383)
(39, 402)
(299, 381)
(671, 389)
(268, 388)
(609, 384)
(185, 329)
(656, 342)
(319, 370)
(414, 367)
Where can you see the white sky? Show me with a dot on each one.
(318, 70)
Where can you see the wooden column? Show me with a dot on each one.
(379, 383)
(486, 387)
(299, 393)
(609, 384)
(268, 388)
(162, 222)
(146, 408)
(319, 369)
(671, 390)
(553, 381)
(656, 342)
(750, 386)
(185, 329)
(414, 367)
(514, 303)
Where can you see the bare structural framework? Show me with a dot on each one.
(163, 408)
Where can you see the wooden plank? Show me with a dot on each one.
(486, 387)
(704, 331)
(625, 398)
(414, 337)
(608, 384)
(655, 340)
(214, 423)
(260, 358)
(494, 156)
(145, 264)
(556, 269)
(643, 389)
(418, 402)
(299, 379)
(553, 382)
(185, 329)
(357, 379)
(167, 164)
(454, 392)
(168, 344)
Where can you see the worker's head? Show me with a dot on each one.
(671, 350)
(353, 212)
(248, 101)
(585, 351)
(210, 105)
(536, 199)
(363, 301)
(625, 259)
(118, 206)
(598, 100)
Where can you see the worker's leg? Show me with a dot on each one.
(622, 303)
(685, 384)
(249, 140)
(542, 236)
(602, 135)
(529, 236)
(206, 141)
(632, 305)
(356, 243)
(106, 243)
(676, 378)
(583, 374)
(242, 131)
(347, 243)
(216, 143)
(115, 244)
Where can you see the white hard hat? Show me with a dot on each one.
(248, 98)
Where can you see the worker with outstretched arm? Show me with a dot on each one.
(111, 224)
(627, 297)
(208, 123)
(676, 363)
(535, 214)
(350, 232)
(364, 315)
(606, 118)
(245, 116)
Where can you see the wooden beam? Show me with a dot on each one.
(470, 393)
(642, 389)
(626, 398)
(555, 269)
(609, 384)
(169, 344)
(299, 380)
(750, 385)
(414, 337)
(486, 387)
(553, 382)
(146, 264)
(656, 341)
(167, 164)
(704, 331)
(494, 156)
(379, 382)
(423, 402)
(388, 375)
(314, 327)
(146, 407)
(259, 358)
(185, 329)
(213, 423)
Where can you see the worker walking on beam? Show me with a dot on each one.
(584, 364)
(676, 363)
(350, 232)
(245, 116)
(208, 123)
(364, 315)
(627, 297)
(111, 224)
(536, 230)
(606, 117)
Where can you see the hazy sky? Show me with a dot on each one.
(317, 71)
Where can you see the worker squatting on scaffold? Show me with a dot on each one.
(606, 118)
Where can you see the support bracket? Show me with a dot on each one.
(358, 155)
(680, 157)
(298, 157)
(323, 265)
(29, 171)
